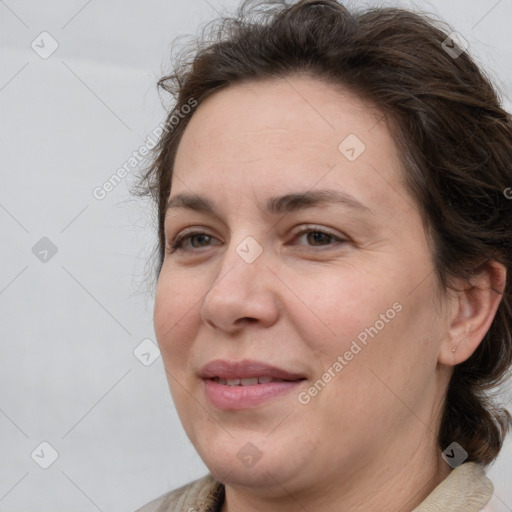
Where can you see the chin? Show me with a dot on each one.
(250, 462)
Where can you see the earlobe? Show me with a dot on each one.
(473, 311)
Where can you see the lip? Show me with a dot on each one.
(226, 397)
(245, 369)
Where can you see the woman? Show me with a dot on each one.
(333, 291)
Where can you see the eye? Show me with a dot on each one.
(181, 242)
(193, 240)
(318, 237)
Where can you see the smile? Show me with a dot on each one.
(253, 381)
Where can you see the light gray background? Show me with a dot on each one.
(68, 327)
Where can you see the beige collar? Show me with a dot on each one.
(465, 489)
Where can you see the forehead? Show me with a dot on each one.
(289, 111)
(288, 133)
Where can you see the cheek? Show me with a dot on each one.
(336, 307)
(371, 316)
(176, 304)
(173, 318)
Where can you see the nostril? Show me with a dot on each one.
(247, 319)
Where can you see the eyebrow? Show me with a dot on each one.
(276, 205)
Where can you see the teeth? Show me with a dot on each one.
(246, 382)
(249, 382)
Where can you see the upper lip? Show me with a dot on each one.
(245, 369)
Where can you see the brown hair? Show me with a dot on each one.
(454, 138)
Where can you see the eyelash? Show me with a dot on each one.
(177, 243)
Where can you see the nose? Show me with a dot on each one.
(243, 293)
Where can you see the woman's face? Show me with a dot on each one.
(314, 261)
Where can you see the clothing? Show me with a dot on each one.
(465, 489)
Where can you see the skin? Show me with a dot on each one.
(367, 441)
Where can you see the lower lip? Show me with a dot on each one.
(243, 397)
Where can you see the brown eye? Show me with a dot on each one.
(190, 240)
(316, 237)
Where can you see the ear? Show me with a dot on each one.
(472, 312)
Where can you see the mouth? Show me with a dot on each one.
(244, 370)
(232, 385)
(251, 381)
